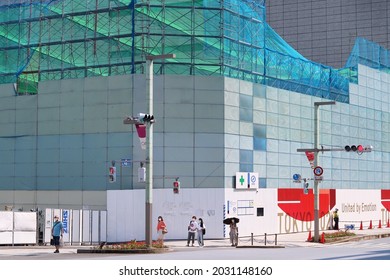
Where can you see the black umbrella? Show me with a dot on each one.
(228, 221)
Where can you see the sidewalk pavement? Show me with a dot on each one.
(297, 239)
(282, 240)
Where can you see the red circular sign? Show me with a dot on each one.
(318, 170)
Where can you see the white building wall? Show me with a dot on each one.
(126, 220)
(126, 212)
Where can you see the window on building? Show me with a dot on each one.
(259, 137)
(246, 160)
(246, 108)
(262, 183)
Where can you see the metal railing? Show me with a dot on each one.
(257, 240)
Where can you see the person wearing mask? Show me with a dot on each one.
(57, 232)
(161, 229)
(192, 229)
(201, 232)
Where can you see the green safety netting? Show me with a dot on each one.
(64, 39)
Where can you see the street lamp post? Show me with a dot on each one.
(316, 163)
(149, 146)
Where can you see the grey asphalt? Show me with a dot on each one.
(282, 240)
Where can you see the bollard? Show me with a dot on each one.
(276, 239)
(252, 238)
(265, 239)
(323, 237)
(309, 238)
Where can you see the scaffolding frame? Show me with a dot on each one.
(69, 39)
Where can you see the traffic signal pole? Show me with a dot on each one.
(149, 146)
(359, 149)
(147, 119)
(149, 155)
(316, 163)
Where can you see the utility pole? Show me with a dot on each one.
(316, 163)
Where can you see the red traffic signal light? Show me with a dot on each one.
(176, 186)
(352, 148)
(112, 174)
(358, 148)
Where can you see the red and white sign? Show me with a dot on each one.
(141, 130)
(318, 170)
(310, 156)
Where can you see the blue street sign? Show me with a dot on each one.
(297, 177)
(126, 162)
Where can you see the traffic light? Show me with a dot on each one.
(358, 148)
(306, 188)
(141, 174)
(146, 118)
(176, 186)
(112, 174)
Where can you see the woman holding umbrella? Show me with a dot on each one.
(233, 233)
(232, 222)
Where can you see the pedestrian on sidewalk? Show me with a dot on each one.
(192, 229)
(331, 221)
(201, 232)
(336, 219)
(233, 233)
(161, 229)
(57, 232)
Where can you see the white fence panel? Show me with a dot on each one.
(76, 229)
(80, 226)
(18, 227)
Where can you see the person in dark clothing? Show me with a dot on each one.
(336, 219)
(192, 229)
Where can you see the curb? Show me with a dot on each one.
(262, 247)
(123, 251)
(358, 238)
